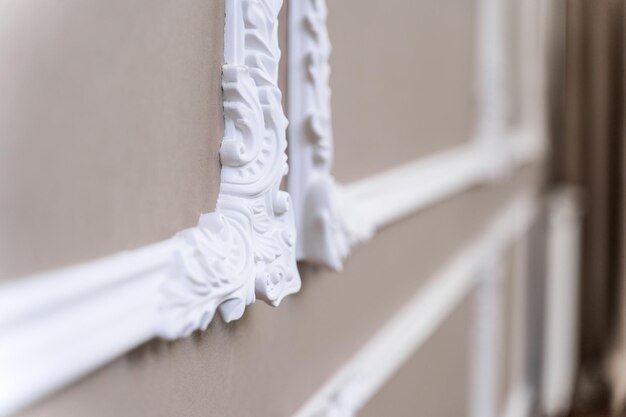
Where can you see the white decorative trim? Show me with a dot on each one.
(331, 217)
(361, 377)
(248, 244)
(487, 337)
(374, 202)
(56, 327)
(519, 402)
(310, 138)
(560, 348)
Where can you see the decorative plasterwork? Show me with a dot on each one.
(247, 246)
(60, 325)
(316, 196)
(56, 327)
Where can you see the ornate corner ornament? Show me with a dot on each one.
(246, 248)
(58, 326)
(319, 202)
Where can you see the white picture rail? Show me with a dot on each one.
(59, 326)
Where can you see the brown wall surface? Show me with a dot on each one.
(110, 124)
(403, 79)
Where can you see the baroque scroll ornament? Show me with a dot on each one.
(246, 248)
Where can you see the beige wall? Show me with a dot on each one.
(133, 159)
(436, 380)
(110, 122)
(403, 80)
(510, 298)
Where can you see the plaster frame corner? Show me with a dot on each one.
(58, 326)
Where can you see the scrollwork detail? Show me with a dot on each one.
(327, 234)
(246, 248)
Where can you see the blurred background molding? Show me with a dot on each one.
(330, 217)
(359, 379)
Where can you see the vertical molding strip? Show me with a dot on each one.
(330, 217)
(560, 349)
(521, 394)
(325, 238)
(487, 336)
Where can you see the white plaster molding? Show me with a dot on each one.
(519, 402)
(330, 217)
(491, 92)
(560, 350)
(344, 393)
(487, 336)
(247, 245)
(376, 201)
(311, 143)
(56, 327)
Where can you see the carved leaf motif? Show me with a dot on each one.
(213, 265)
(247, 245)
(243, 117)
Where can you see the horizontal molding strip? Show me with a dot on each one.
(57, 327)
(369, 204)
(361, 377)
(519, 402)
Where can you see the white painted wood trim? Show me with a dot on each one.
(56, 327)
(344, 393)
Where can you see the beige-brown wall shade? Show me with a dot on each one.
(403, 80)
(110, 124)
(436, 380)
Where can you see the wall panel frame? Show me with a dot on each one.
(331, 217)
(58, 326)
